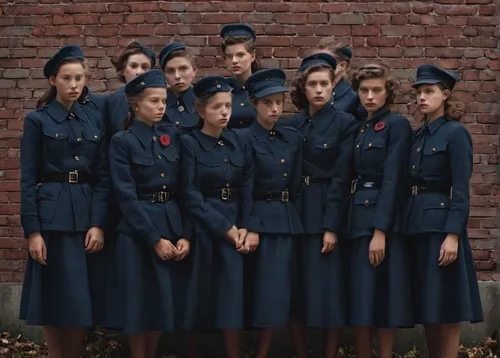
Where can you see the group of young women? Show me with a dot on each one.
(223, 215)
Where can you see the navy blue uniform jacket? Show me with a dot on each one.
(212, 164)
(381, 150)
(180, 111)
(441, 156)
(277, 157)
(58, 140)
(243, 114)
(115, 112)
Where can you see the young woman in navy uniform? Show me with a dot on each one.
(378, 274)
(145, 167)
(277, 184)
(327, 153)
(443, 274)
(218, 179)
(238, 45)
(131, 62)
(178, 64)
(64, 196)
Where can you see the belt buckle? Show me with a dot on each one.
(225, 193)
(354, 184)
(269, 196)
(285, 196)
(162, 196)
(414, 190)
(306, 181)
(73, 177)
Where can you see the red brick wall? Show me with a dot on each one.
(460, 35)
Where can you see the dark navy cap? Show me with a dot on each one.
(318, 59)
(430, 74)
(346, 51)
(146, 51)
(149, 79)
(168, 49)
(237, 30)
(70, 52)
(266, 82)
(211, 84)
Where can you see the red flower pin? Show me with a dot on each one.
(165, 140)
(379, 126)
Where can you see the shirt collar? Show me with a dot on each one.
(143, 132)
(322, 118)
(186, 99)
(59, 113)
(262, 134)
(435, 124)
(208, 142)
(341, 88)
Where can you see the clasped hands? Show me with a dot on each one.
(243, 240)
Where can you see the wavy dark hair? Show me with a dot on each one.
(181, 53)
(249, 43)
(298, 92)
(372, 71)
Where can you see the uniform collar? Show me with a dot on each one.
(435, 124)
(322, 118)
(143, 132)
(209, 142)
(262, 134)
(341, 88)
(59, 113)
(236, 85)
(186, 99)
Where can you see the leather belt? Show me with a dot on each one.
(308, 180)
(224, 193)
(158, 197)
(283, 196)
(417, 190)
(358, 184)
(73, 177)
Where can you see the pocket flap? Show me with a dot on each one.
(366, 197)
(170, 153)
(433, 148)
(208, 159)
(236, 159)
(56, 133)
(324, 143)
(142, 159)
(93, 136)
(375, 143)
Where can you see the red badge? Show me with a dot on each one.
(379, 126)
(165, 140)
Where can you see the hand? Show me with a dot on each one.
(38, 250)
(376, 252)
(242, 233)
(233, 236)
(94, 240)
(329, 242)
(183, 247)
(250, 244)
(165, 249)
(449, 250)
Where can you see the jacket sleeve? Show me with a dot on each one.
(460, 159)
(195, 205)
(126, 194)
(246, 187)
(31, 158)
(101, 190)
(338, 190)
(394, 172)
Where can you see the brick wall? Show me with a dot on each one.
(460, 35)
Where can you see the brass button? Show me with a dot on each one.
(442, 204)
(159, 156)
(367, 203)
(305, 139)
(227, 185)
(242, 104)
(282, 161)
(324, 145)
(164, 187)
(285, 175)
(218, 86)
(79, 140)
(357, 145)
(154, 139)
(221, 143)
(369, 144)
(77, 158)
(433, 149)
(243, 87)
(362, 131)
(177, 123)
(162, 175)
(57, 135)
(241, 122)
(225, 160)
(95, 137)
(418, 150)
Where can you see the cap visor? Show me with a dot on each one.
(425, 82)
(269, 91)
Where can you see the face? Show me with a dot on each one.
(238, 59)
(372, 94)
(151, 107)
(136, 64)
(430, 98)
(319, 87)
(179, 73)
(218, 110)
(69, 81)
(270, 107)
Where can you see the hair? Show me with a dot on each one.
(120, 61)
(298, 93)
(372, 71)
(453, 109)
(187, 54)
(132, 101)
(249, 43)
(51, 93)
(329, 44)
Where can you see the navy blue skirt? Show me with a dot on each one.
(140, 295)
(379, 296)
(322, 291)
(69, 291)
(214, 297)
(447, 294)
(272, 292)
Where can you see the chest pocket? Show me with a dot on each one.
(322, 151)
(434, 159)
(374, 151)
(92, 141)
(55, 141)
(264, 162)
(142, 160)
